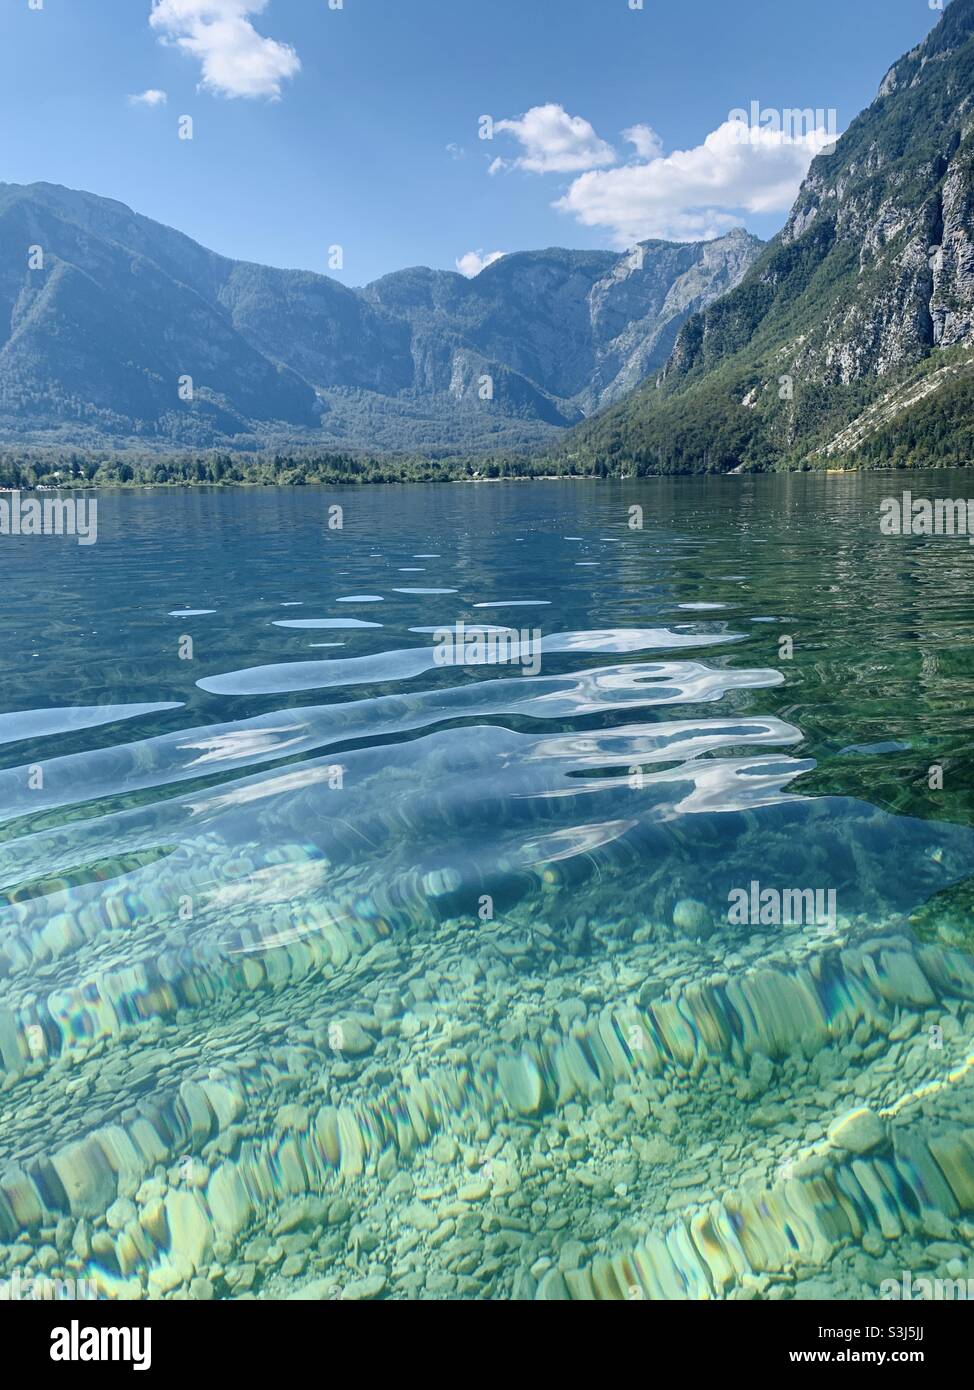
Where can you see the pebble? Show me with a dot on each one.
(316, 1292)
(349, 1036)
(120, 1213)
(421, 1216)
(693, 919)
(474, 1191)
(363, 1289)
(858, 1131)
(292, 1117)
(444, 1149)
(339, 1211)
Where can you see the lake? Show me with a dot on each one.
(552, 890)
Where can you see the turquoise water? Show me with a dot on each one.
(328, 970)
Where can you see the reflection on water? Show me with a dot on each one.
(361, 977)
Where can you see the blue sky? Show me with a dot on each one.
(358, 126)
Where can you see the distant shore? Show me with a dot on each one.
(70, 470)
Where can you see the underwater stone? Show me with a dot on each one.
(503, 1177)
(147, 1140)
(900, 978)
(474, 1191)
(693, 918)
(349, 1036)
(86, 1177)
(882, 1201)
(227, 1105)
(319, 1291)
(163, 1279)
(339, 1211)
(153, 1220)
(954, 1153)
(444, 1150)
(11, 1054)
(553, 1289)
(227, 1198)
(521, 1083)
(918, 1169)
(326, 1134)
(22, 1199)
(120, 1213)
(190, 1236)
(307, 1213)
(351, 1142)
(294, 1117)
(419, 1216)
(364, 1289)
(123, 1158)
(859, 1131)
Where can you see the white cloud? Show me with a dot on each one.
(698, 193)
(553, 142)
(236, 61)
(475, 261)
(456, 151)
(153, 97)
(647, 142)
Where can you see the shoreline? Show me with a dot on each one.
(256, 484)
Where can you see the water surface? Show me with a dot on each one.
(328, 969)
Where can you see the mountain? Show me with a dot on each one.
(103, 314)
(850, 338)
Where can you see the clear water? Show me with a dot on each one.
(329, 971)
